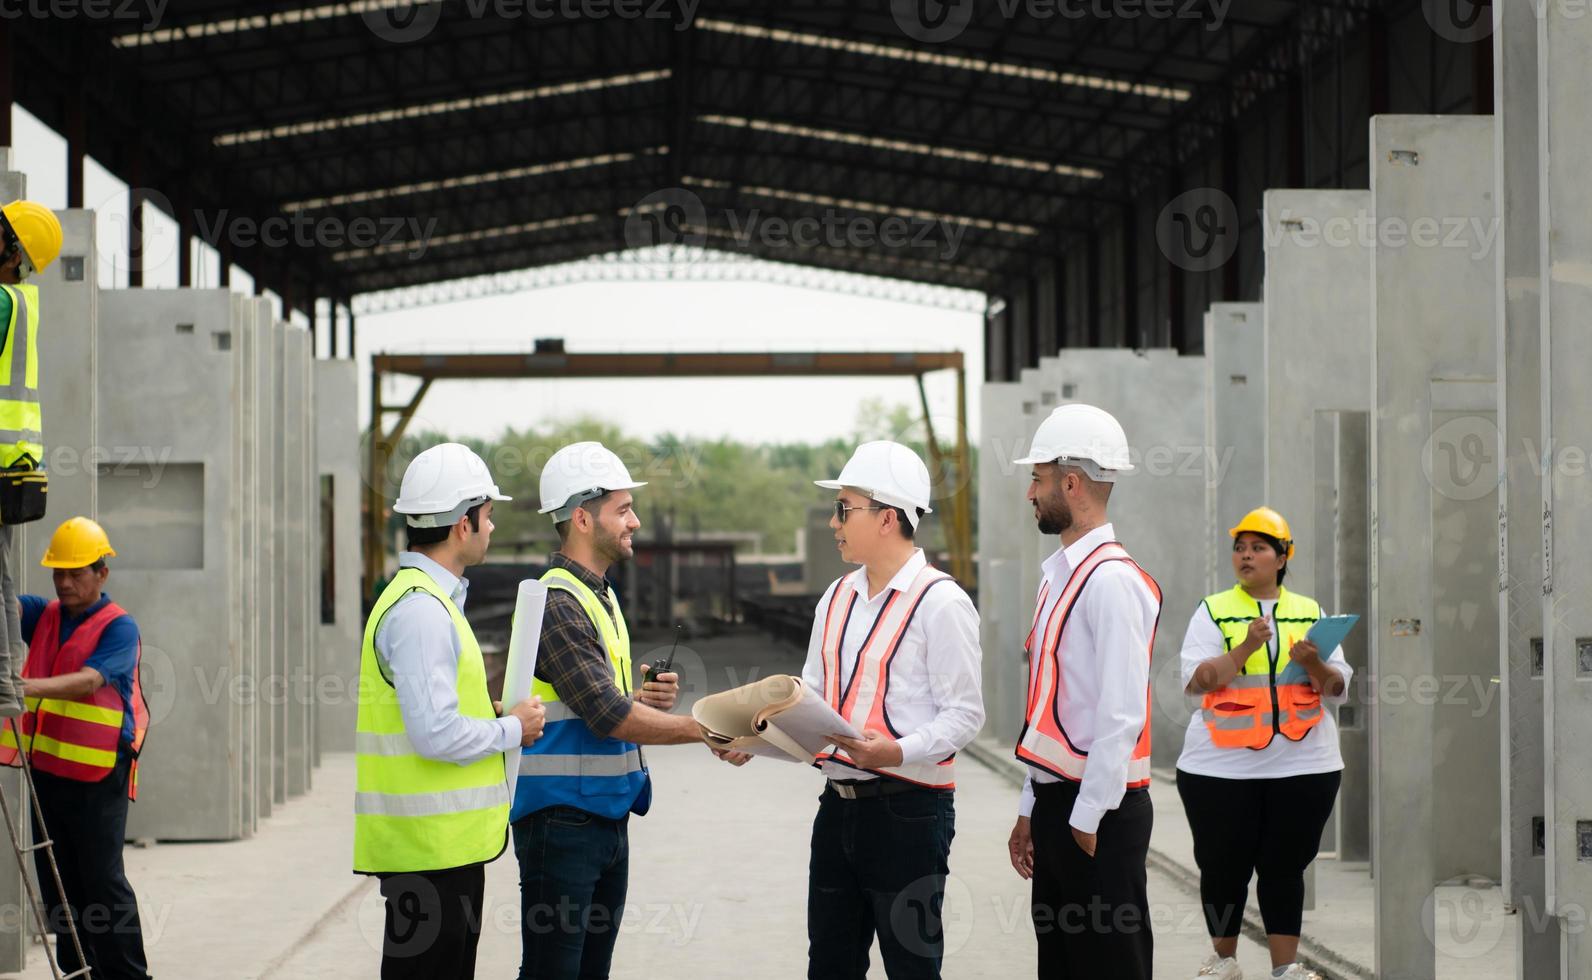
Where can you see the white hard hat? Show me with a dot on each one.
(889, 473)
(442, 484)
(1083, 436)
(580, 472)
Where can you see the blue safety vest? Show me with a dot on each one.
(569, 765)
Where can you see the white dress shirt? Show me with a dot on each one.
(420, 648)
(1105, 670)
(1317, 752)
(935, 696)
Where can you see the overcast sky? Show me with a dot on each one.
(627, 316)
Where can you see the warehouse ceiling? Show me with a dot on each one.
(396, 145)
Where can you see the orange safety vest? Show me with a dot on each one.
(1044, 742)
(75, 739)
(861, 699)
(1253, 708)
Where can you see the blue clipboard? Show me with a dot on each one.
(1327, 634)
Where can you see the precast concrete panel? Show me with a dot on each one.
(1564, 49)
(263, 483)
(174, 522)
(1518, 316)
(282, 563)
(1002, 511)
(295, 467)
(246, 341)
(1434, 477)
(1317, 343)
(1157, 510)
(337, 448)
(1235, 399)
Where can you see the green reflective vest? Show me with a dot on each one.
(21, 421)
(412, 813)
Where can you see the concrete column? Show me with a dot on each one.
(1433, 607)
(1019, 323)
(1235, 407)
(1518, 312)
(1000, 529)
(173, 518)
(337, 448)
(14, 938)
(268, 638)
(281, 589)
(1564, 50)
(1317, 344)
(1047, 310)
(247, 342)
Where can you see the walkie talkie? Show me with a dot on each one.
(666, 665)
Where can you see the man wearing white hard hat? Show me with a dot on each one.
(895, 651)
(578, 786)
(1083, 826)
(431, 808)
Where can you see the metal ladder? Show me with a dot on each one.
(48, 847)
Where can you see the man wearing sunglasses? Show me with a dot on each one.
(895, 650)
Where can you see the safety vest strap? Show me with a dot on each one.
(862, 698)
(1044, 743)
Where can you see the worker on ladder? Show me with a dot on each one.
(431, 804)
(82, 732)
(30, 240)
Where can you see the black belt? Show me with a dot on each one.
(1067, 785)
(867, 789)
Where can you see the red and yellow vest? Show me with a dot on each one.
(860, 698)
(1253, 708)
(1044, 742)
(75, 739)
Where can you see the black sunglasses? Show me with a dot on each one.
(842, 509)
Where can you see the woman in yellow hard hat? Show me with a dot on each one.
(1260, 766)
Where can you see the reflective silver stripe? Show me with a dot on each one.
(19, 393)
(8, 436)
(580, 765)
(558, 711)
(1236, 724)
(370, 743)
(431, 804)
(1308, 714)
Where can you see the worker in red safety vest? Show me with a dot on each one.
(895, 651)
(82, 731)
(1083, 827)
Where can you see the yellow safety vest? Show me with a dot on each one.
(1254, 707)
(412, 813)
(21, 421)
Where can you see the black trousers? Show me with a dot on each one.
(433, 923)
(1265, 827)
(879, 865)
(88, 823)
(1092, 915)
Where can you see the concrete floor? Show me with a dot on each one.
(717, 889)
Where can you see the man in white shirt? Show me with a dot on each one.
(895, 651)
(1083, 829)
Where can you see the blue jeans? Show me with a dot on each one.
(574, 868)
(879, 865)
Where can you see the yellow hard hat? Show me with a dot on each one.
(1264, 520)
(36, 230)
(78, 543)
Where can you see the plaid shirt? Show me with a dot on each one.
(572, 657)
